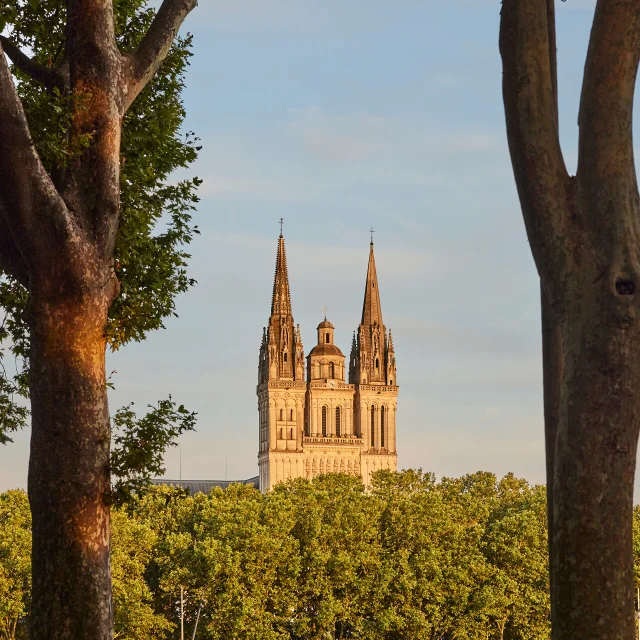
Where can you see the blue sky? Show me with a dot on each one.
(339, 115)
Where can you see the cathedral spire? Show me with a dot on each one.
(281, 353)
(372, 361)
(281, 299)
(371, 310)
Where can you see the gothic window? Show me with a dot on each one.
(291, 415)
(285, 357)
(382, 426)
(281, 414)
(373, 426)
(391, 383)
(326, 338)
(324, 421)
(338, 421)
(377, 363)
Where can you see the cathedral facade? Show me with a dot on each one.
(312, 420)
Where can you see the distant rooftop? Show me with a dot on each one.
(204, 486)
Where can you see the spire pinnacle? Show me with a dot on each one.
(371, 309)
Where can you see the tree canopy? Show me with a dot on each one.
(411, 558)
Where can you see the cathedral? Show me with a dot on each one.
(323, 423)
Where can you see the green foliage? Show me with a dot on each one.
(139, 444)
(132, 546)
(409, 559)
(15, 564)
(155, 216)
(13, 340)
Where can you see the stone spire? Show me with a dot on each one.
(281, 353)
(369, 353)
(281, 299)
(371, 310)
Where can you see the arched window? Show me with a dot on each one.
(326, 338)
(373, 426)
(332, 370)
(281, 414)
(291, 415)
(377, 361)
(324, 421)
(285, 357)
(391, 383)
(381, 427)
(338, 421)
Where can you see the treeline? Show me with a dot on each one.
(412, 558)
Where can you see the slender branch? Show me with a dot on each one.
(606, 104)
(527, 47)
(11, 261)
(47, 76)
(155, 45)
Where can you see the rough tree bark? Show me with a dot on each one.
(57, 238)
(584, 233)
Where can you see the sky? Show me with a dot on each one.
(337, 116)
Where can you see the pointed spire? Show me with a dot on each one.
(371, 310)
(281, 299)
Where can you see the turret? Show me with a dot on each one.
(325, 361)
(390, 361)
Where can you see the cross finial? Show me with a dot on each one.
(325, 311)
(371, 231)
(281, 223)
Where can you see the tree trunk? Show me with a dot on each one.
(595, 457)
(69, 465)
(58, 241)
(584, 233)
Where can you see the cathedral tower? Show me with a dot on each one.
(281, 387)
(372, 370)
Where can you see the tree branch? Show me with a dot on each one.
(155, 45)
(48, 77)
(33, 210)
(606, 103)
(527, 47)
